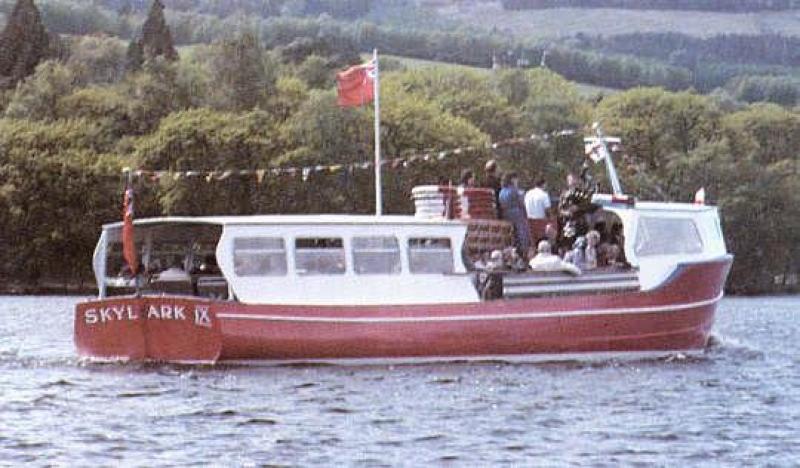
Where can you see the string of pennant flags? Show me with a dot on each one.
(306, 171)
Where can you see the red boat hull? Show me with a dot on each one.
(677, 316)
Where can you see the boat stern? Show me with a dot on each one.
(158, 328)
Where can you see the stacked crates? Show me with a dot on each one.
(475, 206)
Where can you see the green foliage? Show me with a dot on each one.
(36, 98)
(155, 40)
(24, 43)
(266, 97)
(203, 139)
(97, 59)
(52, 185)
(242, 74)
(464, 94)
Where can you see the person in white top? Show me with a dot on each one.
(546, 261)
(537, 205)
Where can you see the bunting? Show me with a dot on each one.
(261, 174)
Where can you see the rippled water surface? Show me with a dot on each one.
(739, 404)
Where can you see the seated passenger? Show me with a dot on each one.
(590, 253)
(174, 273)
(490, 281)
(209, 266)
(546, 261)
(609, 256)
(577, 256)
(513, 261)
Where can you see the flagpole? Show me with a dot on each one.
(377, 94)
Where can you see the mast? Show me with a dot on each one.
(612, 171)
(377, 94)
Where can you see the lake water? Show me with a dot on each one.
(738, 404)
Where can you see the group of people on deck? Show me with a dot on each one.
(570, 238)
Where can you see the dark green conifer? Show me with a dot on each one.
(156, 36)
(23, 44)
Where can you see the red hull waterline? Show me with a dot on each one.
(676, 317)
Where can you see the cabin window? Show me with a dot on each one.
(430, 255)
(319, 256)
(376, 255)
(667, 236)
(259, 256)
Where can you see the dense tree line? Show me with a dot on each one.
(684, 50)
(243, 102)
(767, 64)
(736, 6)
(672, 61)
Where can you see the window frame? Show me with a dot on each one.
(301, 251)
(697, 244)
(412, 267)
(269, 251)
(394, 252)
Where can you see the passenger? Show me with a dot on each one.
(492, 181)
(513, 261)
(496, 260)
(551, 236)
(482, 262)
(573, 205)
(174, 273)
(617, 238)
(577, 256)
(209, 266)
(491, 280)
(513, 209)
(546, 261)
(590, 253)
(537, 206)
(609, 256)
(467, 179)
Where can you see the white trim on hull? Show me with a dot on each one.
(502, 358)
(464, 318)
(543, 358)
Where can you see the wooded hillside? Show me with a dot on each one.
(262, 98)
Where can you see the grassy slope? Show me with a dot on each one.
(559, 22)
(585, 90)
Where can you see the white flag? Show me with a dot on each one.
(596, 151)
(700, 196)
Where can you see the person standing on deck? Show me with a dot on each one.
(492, 181)
(537, 205)
(513, 209)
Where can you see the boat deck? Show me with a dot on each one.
(538, 284)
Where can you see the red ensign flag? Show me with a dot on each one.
(356, 85)
(128, 244)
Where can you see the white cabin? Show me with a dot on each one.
(367, 260)
(312, 259)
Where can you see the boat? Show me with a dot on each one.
(355, 289)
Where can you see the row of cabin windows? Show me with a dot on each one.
(266, 256)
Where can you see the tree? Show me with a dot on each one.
(97, 59)
(463, 93)
(55, 191)
(203, 140)
(241, 73)
(36, 98)
(155, 40)
(23, 44)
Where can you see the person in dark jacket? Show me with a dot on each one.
(492, 181)
(513, 208)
